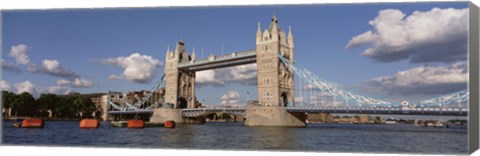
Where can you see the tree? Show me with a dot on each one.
(46, 101)
(24, 104)
(8, 98)
(63, 107)
(83, 105)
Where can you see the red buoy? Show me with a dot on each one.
(135, 123)
(169, 124)
(89, 123)
(33, 123)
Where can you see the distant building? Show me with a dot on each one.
(6, 112)
(135, 96)
(101, 102)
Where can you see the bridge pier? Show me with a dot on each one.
(274, 116)
(160, 115)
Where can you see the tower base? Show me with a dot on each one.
(273, 116)
(160, 115)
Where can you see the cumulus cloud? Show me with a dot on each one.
(62, 82)
(59, 90)
(34, 89)
(53, 68)
(115, 77)
(28, 87)
(231, 98)
(77, 83)
(82, 83)
(137, 68)
(438, 35)
(10, 67)
(244, 75)
(19, 52)
(4, 85)
(310, 87)
(424, 80)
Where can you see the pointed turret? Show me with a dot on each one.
(274, 29)
(211, 57)
(290, 37)
(259, 34)
(167, 54)
(290, 43)
(177, 51)
(180, 49)
(193, 55)
(273, 24)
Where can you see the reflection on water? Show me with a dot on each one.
(316, 137)
(273, 137)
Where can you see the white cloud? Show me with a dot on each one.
(231, 98)
(53, 68)
(230, 95)
(438, 35)
(207, 77)
(115, 77)
(10, 67)
(62, 82)
(77, 83)
(424, 80)
(310, 87)
(59, 90)
(28, 87)
(136, 67)
(36, 90)
(82, 83)
(299, 99)
(19, 52)
(244, 75)
(4, 85)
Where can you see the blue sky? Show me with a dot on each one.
(82, 40)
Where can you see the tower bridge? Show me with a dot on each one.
(276, 69)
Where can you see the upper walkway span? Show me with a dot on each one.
(227, 60)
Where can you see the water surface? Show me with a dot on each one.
(236, 136)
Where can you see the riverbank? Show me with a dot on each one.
(43, 118)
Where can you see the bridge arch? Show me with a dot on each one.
(182, 102)
(284, 99)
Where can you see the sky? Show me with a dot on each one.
(381, 50)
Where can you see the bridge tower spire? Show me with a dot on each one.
(193, 54)
(259, 34)
(167, 54)
(290, 43)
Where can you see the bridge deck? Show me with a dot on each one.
(333, 110)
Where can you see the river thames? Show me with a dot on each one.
(235, 136)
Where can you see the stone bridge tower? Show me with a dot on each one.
(275, 81)
(179, 84)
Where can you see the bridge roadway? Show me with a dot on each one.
(195, 112)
